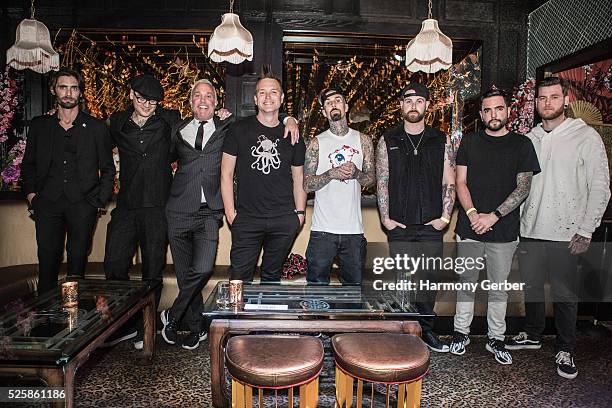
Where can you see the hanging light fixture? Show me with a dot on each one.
(430, 51)
(230, 41)
(32, 48)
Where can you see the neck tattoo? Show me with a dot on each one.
(139, 120)
(339, 127)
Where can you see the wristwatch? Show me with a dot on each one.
(497, 214)
(300, 212)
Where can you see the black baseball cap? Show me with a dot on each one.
(326, 93)
(147, 86)
(415, 89)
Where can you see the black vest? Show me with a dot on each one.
(415, 181)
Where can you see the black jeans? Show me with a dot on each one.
(539, 260)
(54, 221)
(401, 241)
(324, 247)
(128, 228)
(193, 242)
(249, 234)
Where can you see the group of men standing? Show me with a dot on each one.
(68, 174)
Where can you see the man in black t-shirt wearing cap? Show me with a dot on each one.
(142, 135)
(415, 172)
(494, 172)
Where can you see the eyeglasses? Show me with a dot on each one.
(143, 100)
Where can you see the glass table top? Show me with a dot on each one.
(302, 301)
(38, 329)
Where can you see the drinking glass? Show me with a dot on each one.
(223, 299)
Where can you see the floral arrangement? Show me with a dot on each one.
(10, 168)
(522, 107)
(294, 266)
(8, 103)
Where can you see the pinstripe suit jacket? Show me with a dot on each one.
(197, 170)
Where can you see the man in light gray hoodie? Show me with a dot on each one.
(565, 205)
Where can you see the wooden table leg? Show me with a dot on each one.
(216, 335)
(55, 377)
(149, 327)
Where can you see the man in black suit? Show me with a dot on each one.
(142, 136)
(67, 174)
(195, 210)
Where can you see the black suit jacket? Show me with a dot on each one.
(94, 157)
(197, 170)
(144, 158)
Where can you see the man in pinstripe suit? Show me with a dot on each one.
(195, 211)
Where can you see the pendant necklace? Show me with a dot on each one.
(415, 151)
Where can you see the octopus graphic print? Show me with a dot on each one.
(266, 155)
(342, 155)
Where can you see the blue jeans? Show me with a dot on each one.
(324, 247)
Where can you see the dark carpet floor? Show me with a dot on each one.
(180, 378)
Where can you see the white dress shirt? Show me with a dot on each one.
(189, 134)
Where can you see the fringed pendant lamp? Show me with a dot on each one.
(230, 41)
(430, 51)
(32, 48)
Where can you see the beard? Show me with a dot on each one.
(497, 126)
(552, 115)
(335, 115)
(67, 103)
(410, 117)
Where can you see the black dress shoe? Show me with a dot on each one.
(433, 342)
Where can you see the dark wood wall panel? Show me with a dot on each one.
(310, 6)
(389, 8)
(483, 12)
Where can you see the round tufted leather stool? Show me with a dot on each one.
(274, 362)
(387, 358)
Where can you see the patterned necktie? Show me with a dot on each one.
(200, 135)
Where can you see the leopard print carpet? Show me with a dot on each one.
(180, 378)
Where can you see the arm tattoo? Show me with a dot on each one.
(448, 181)
(520, 193)
(450, 153)
(448, 199)
(312, 182)
(366, 176)
(382, 178)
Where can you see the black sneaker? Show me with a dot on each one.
(192, 340)
(169, 330)
(459, 342)
(565, 365)
(523, 341)
(502, 356)
(119, 336)
(433, 342)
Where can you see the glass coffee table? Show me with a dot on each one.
(39, 337)
(300, 308)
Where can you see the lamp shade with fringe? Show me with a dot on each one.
(230, 41)
(431, 50)
(32, 48)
